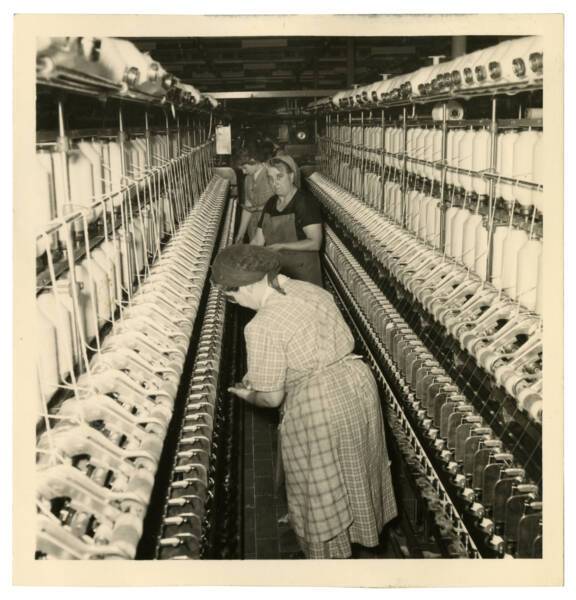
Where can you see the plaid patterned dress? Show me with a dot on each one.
(338, 479)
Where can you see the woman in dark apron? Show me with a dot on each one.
(291, 224)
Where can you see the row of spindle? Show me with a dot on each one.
(189, 499)
(99, 453)
(502, 505)
(504, 337)
(513, 62)
(111, 66)
(106, 230)
(468, 157)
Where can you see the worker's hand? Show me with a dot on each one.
(246, 382)
(240, 390)
(275, 247)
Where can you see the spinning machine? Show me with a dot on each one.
(433, 251)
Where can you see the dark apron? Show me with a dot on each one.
(297, 264)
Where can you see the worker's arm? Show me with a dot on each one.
(244, 220)
(312, 242)
(258, 239)
(263, 399)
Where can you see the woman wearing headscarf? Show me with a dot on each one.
(299, 352)
(281, 153)
(257, 190)
(291, 224)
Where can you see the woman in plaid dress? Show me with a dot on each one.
(299, 347)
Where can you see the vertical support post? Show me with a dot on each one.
(147, 138)
(63, 182)
(492, 196)
(458, 45)
(62, 148)
(404, 165)
(443, 176)
(362, 156)
(66, 232)
(121, 141)
(351, 155)
(61, 128)
(383, 159)
(328, 146)
(339, 158)
(127, 234)
(167, 122)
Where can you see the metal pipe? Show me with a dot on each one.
(383, 167)
(349, 187)
(492, 194)
(362, 157)
(404, 166)
(168, 134)
(147, 137)
(444, 167)
(458, 45)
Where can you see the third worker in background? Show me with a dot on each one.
(257, 189)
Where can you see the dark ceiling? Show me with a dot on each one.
(296, 63)
(263, 65)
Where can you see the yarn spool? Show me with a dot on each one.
(524, 165)
(498, 238)
(47, 346)
(112, 61)
(481, 250)
(99, 282)
(538, 166)
(87, 301)
(56, 315)
(107, 301)
(515, 239)
(507, 164)
(457, 234)
(494, 62)
(81, 178)
(111, 249)
(527, 273)
(44, 212)
(466, 149)
(449, 154)
(454, 111)
(540, 288)
(423, 218)
(436, 153)
(481, 161)
(469, 240)
(448, 218)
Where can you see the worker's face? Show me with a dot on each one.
(282, 182)
(250, 168)
(247, 296)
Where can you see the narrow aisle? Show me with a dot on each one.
(264, 537)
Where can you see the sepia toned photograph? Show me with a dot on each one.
(283, 292)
